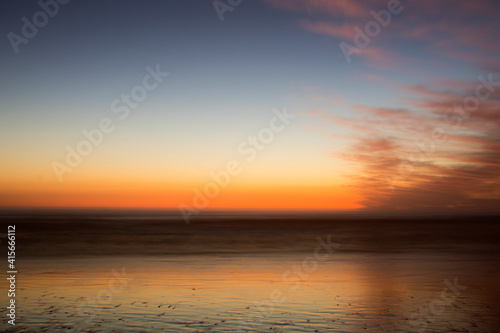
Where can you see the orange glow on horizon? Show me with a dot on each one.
(231, 198)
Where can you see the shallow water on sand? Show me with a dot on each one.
(334, 292)
(120, 272)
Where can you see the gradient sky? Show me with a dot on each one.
(386, 131)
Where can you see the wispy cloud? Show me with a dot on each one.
(422, 157)
(328, 28)
(466, 31)
(332, 7)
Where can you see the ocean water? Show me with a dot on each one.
(129, 272)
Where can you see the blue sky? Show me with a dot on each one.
(226, 77)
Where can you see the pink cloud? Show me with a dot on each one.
(457, 169)
(468, 31)
(328, 28)
(349, 8)
(384, 59)
(436, 155)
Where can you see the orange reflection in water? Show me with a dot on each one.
(346, 292)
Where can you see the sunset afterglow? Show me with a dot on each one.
(328, 105)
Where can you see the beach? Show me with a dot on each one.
(250, 166)
(131, 272)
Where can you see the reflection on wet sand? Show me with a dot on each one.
(319, 276)
(346, 292)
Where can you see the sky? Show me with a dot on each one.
(264, 104)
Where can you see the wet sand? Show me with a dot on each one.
(123, 272)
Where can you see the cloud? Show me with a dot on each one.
(467, 31)
(416, 159)
(328, 28)
(440, 151)
(347, 8)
